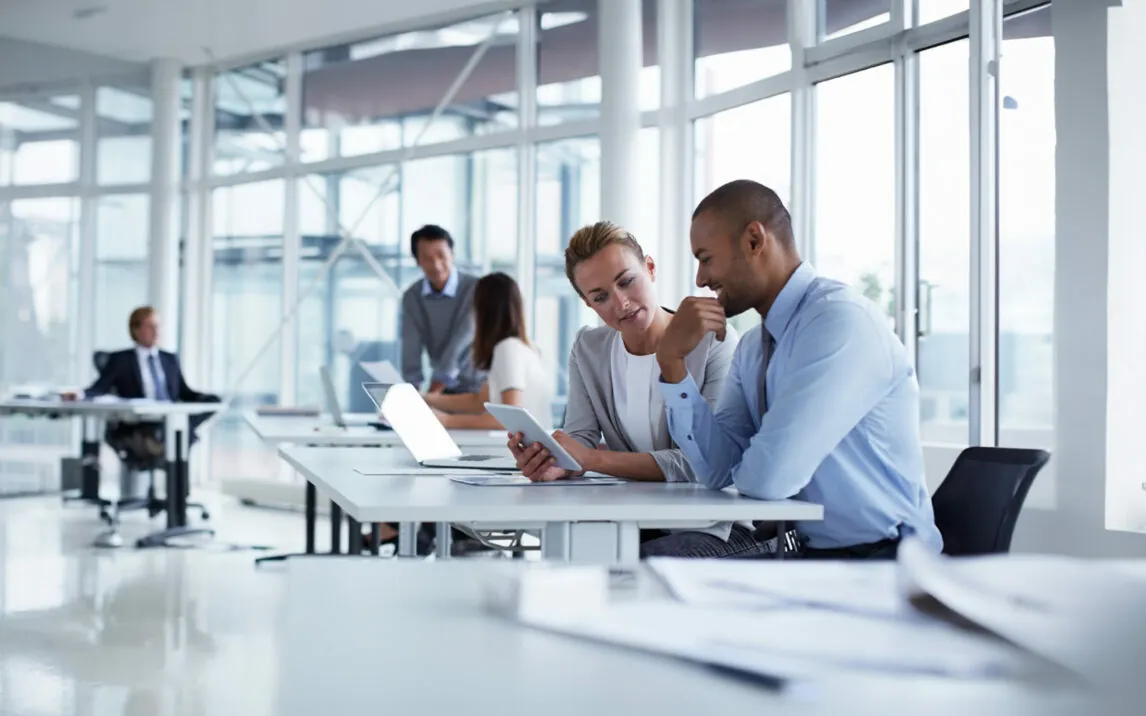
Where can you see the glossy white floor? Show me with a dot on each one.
(160, 632)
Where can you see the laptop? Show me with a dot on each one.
(332, 404)
(423, 434)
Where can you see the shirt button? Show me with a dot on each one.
(690, 437)
(684, 395)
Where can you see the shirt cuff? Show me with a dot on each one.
(680, 395)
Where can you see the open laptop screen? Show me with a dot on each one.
(416, 425)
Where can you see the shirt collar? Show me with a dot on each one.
(146, 352)
(450, 290)
(788, 300)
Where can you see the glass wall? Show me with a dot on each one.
(855, 183)
(944, 295)
(250, 109)
(739, 42)
(1027, 232)
(39, 140)
(124, 130)
(121, 273)
(379, 94)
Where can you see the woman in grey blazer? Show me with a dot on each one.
(615, 421)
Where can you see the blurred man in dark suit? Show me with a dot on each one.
(144, 371)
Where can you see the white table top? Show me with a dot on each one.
(307, 430)
(103, 407)
(377, 498)
(422, 639)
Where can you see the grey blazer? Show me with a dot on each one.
(592, 413)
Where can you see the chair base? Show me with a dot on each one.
(160, 539)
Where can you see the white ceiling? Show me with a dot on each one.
(140, 30)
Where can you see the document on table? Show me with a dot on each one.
(858, 587)
(416, 472)
(794, 643)
(487, 480)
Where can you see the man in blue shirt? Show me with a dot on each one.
(821, 402)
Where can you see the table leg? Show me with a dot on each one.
(781, 542)
(175, 427)
(407, 539)
(353, 536)
(443, 541)
(375, 539)
(311, 515)
(335, 528)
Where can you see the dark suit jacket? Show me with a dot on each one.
(121, 376)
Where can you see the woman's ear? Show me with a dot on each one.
(651, 266)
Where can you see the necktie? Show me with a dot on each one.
(769, 347)
(157, 379)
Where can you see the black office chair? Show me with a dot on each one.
(978, 504)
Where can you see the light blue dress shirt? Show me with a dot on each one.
(842, 425)
(450, 290)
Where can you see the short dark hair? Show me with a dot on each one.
(743, 201)
(137, 317)
(430, 232)
(499, 313)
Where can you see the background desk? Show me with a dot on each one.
(414, 635)
(96, 413)
(277, 430)
(585, 524)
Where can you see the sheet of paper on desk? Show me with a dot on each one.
(522, 481)
(795, 643)
(1081, 614)
(860, 587)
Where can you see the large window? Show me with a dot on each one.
(843, 17)
(121, 279)
(248, 102)
(37, 332)
(739, 42)
(568, 197)
(749, 142)
(855, 183)
(944, 295)
(247, 290)
(124, 129)
(39, 140)
(569, 81)
(1027, 231)
(379, 94)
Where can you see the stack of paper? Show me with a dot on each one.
(1022, 619)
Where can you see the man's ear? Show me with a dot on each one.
(756, 236)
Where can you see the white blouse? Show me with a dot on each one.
(518, 366)
(640, 405)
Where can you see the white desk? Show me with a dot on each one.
(582, 524)
(276, 430)
(423, 627)
(177, 439)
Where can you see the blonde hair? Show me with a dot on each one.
(590, 240)
(137, 317)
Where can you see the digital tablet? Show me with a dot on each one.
(518, 420)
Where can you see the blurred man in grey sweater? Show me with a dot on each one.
(437, 316)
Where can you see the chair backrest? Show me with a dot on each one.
(99, 360)
(979, 501)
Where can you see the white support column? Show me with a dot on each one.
(527, 157)
(163, 243)
(194, 343)
(674, 47)
(85, 298)
(620, 51)
(801, 36)
(288, 355)
(986, 37)
(907, 210)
